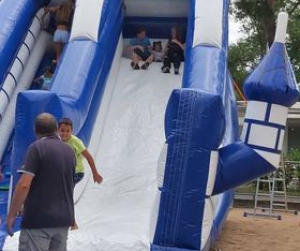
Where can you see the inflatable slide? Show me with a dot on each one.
(167, 145)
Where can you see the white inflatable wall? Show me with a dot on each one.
(157, 8)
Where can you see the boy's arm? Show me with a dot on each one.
(36, 80)
(133, 45)
(149, 45)
(96, 176)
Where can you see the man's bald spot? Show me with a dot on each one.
(45, 124)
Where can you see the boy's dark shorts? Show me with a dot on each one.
(77, 177)
(144, 55)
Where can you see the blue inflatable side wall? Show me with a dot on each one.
(16, 15)
(231, 135)
(73, 95)
(198, 119)
(190, 117)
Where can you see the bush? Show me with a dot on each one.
(292, 164)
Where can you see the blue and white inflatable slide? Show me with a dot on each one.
(169, 155)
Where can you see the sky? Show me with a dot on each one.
(234, 33)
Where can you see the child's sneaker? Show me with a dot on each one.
(145, 66)
(135, 66)
(165, 69)
(176, 71)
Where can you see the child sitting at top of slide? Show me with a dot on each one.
(66, 135)
(157, 52)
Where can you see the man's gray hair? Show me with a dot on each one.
(45, 124)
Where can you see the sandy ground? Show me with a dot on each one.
(259, 234)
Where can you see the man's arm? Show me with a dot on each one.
(18, 200)
(96, 176)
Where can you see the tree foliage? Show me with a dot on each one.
(258, 19)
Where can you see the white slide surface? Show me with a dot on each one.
(126, 143)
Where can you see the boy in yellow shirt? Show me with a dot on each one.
(66, 134)
(65, 131)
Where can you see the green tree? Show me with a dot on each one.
(258, 19)
(293, 43)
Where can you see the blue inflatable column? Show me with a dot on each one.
(194, 130)
(24, 133)
(271, 90)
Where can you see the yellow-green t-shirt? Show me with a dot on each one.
(78, 147)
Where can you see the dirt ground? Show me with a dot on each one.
(259, 234)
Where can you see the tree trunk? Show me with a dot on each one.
(294, 7)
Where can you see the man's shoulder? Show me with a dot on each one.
(50, 141)
(36, 144)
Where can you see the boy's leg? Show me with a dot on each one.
(135, 61)
(77, 177)
(138, 55)
(148, 60)
(135, 58)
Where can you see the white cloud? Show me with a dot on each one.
(234, 30)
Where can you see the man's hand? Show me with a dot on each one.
(10, 222)
(97, 178)
(20, 195)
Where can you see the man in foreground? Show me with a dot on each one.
(46, 190)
